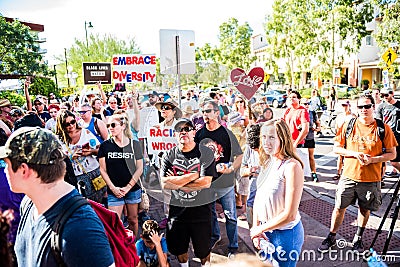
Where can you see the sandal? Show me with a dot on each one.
(336, 177)
(243, 217)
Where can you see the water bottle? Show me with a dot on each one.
(267, 247)
(374, 261)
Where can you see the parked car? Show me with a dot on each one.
(275, 98)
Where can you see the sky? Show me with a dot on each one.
(64, 20)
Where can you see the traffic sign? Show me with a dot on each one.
(389, 56)
(266, 77)
(389, 69)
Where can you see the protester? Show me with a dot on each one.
(250, 169)
(297, 118)
(152, 246)
(121, 165)
(276, 216)
(187, 170)
(341, 119)
(363, 157)
(228, 157)
(314, 126)
(51, 123)
(5, 109)
(267, 115)
(389, 113)
(16, 113)
(81, 146)
(112, 105)
(315, 101)
(94, 125)
(40, 108)
(98, 110)
(132, 111)
(332, 99)
(6, 257)
(40, 175)
(169, 111)
(187, 112)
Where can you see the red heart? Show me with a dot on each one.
(247, 84)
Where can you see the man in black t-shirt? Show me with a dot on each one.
(228, 157)
(187, 170)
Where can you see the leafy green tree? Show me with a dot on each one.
(302, 31)
(16, 98)
(43, 86)
(100, 49)
(19, 51)
(234, 50)
(388, 29)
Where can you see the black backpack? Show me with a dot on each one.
(381, 130)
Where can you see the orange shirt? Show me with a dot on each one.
(364, 138)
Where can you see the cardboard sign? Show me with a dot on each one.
(96, 72)
(247, 84)
(160, 139)
(134, 68)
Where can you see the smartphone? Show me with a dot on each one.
(86, 146)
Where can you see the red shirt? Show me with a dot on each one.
(295, 117)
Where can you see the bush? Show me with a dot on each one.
(15, 98)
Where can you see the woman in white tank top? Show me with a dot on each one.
(279, 188)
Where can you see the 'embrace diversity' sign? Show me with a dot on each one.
(134, 68)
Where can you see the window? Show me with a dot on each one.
(368, 40)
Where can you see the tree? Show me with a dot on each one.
(234, 45)
(300, 31)
(388, 30)
(100, 49)
(19, 51)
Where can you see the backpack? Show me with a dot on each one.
(381, 130)
(122, 245)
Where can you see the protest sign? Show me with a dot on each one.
(134, 68)
(160, 139)
(94, 72)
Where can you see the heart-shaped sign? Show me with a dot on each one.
(247, 84)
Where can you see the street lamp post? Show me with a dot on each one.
(66, 65)
(87, 25)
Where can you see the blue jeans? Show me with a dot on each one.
(227, 198)
(287, 245)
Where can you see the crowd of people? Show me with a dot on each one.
(228, 151)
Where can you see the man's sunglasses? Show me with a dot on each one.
(72, 122)
(185, 129)
(208, 110)
(83, 111)
(368, 106)
(113, 124)
(166, 107)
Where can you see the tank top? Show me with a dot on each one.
(270, 196)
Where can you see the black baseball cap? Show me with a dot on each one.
(183, 121)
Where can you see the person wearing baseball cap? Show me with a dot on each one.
(187, 170)
(40, 106)
(36, 167)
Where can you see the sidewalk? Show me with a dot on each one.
(316, 209)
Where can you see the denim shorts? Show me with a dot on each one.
(133, 197)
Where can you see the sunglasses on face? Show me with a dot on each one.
(368, 106)
(185, 129)
(208, 110)
(37, 104)
(113, 102)
(241, 101)
(113, 125)
(71, 122)
(306, 103)
(83, 111)
(166, 107)
(384, 95)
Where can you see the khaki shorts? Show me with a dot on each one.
(367, 194)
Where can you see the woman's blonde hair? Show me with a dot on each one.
(286, 149)
(122, 117)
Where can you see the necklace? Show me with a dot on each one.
(166, 122)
